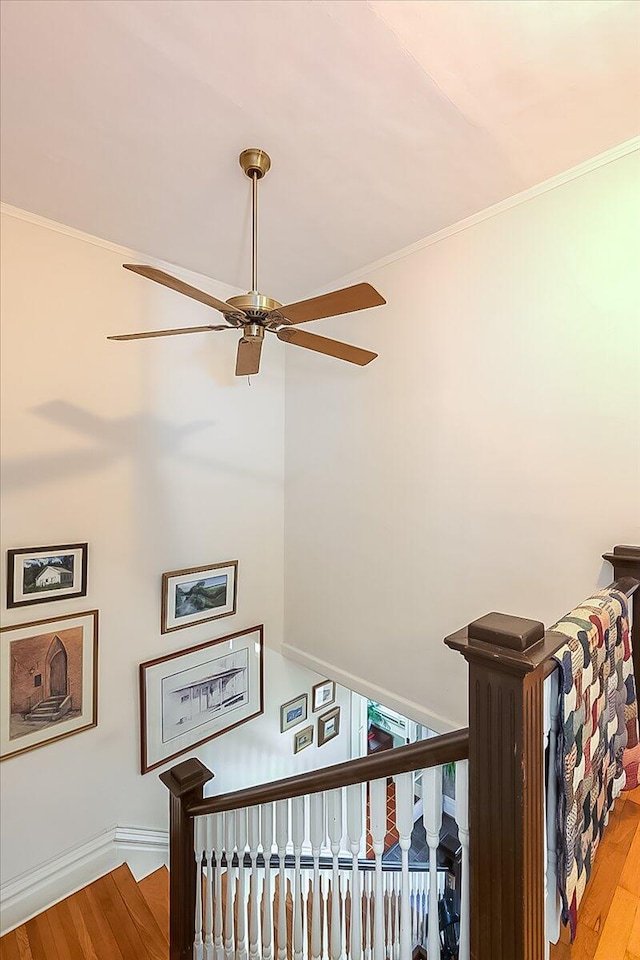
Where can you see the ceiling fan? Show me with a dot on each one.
(253, 313)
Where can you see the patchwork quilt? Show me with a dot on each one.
(598, 753)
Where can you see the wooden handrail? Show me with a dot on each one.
(446, 748)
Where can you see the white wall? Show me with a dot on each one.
(485, 460)
(156, 455)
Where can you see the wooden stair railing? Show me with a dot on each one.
(327, 807)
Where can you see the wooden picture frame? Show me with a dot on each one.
(323, 694)
(302, 739)
(195, 695)
(328, 726)
(294, 712)
(198, 595)
(46, 574)
(48, 681)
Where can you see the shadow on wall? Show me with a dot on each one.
(113, 440)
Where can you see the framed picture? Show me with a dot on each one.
(43, 574)
(198, 594)
(294, 712)
(49, 681)
(328, 726)
(194, 695)
(302, 739)
(323, 695)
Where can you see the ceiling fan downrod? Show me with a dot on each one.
(255, 164)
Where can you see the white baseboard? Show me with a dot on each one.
(28, 894)
(406, 708)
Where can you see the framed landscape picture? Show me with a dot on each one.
(294, 712)
(302, 739)
(198, 594)
(192, 696)
(43, 574)
(49, 681)
(323, 694)
(328, 726)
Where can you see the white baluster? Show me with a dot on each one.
(334, 821)
(241, 847)
(404, 824)
(266, 837)
(368, 932)
(462, 819)
(253, 815)
(208, 900)
(316, 836)
(297, 836)
(282, 837)
(423, 908)
(229, 847)
(378, 817)
(432, 806)
(553, 897)
(389, 910)
(218, 846)
(354, 831)
(198, 845)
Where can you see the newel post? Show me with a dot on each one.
(506, 785)
(625, 561)
(185, 783)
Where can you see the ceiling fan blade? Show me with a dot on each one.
(348, 300)
(170, 333)
(332, 348)
(248, 357)
(152, 273)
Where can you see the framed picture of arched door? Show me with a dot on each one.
(48, 681)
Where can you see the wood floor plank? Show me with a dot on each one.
(24, 947)
(141, 915)
(41, 939)
(57, 933)
(155, 890)
(72, 904)
(618, 927)
(117, 916)
(633, 795)
(630, 876)
(633, 946)
(102, 938)
(68, 929)
(9, 947)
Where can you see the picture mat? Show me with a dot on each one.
(299, 707)
(19, 596)
(191, 576)
(156, 752)
(62, 727)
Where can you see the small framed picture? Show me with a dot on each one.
(323, 695)
(302, 739)
(294, 712)
(43, 574)
(49, 671)
(328, 726)
(198, 594)
(194, 695)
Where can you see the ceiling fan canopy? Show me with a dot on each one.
(256, 314)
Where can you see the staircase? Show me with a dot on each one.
(113, 918)
(46, 711)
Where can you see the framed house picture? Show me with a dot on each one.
(198, 594)
(302, 739)
(194, 695)
(323, 695)
(294, 712)
(328, 726)
(43, 574)
(49, 681)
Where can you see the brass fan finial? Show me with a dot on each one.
(254, 313)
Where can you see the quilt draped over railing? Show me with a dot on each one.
(598, 753)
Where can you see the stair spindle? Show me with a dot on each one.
(432, 808)
(378, 821)
(266, 841)
(282, 838)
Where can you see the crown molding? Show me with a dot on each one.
(573, 173)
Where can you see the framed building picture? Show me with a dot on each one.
(49, 681)
(323, 695)
(302, 739)
(198, 594)
(194, 695)
(43, 574)
(294, 712)
(328, 726)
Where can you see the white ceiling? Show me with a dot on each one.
(386, 120)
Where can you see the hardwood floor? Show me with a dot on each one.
(113, 918)
(609, 915)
